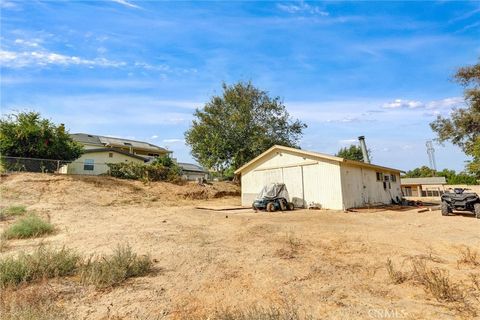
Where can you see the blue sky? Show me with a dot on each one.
(138, 69)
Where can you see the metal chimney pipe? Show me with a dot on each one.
(361, 139)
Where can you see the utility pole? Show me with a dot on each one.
(431, 155)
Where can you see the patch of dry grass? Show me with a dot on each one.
(469, 256)
(395, 275)
(475, 279)
(108, 271)
(290, 248)
(30, 303)
(254, 312)
(436, 281)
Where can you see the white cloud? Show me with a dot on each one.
(164, 68)
(27, 43)
(135, 110)
(403, 104)
(445, 103)
(16, 59)
(431, 108)
(147, 66)
(5, 4)
(102, 50)
(173, 141)
(302, 7)
(154, 137)
(348, 141)
(465, 15)
(126, 3)
(432, 113)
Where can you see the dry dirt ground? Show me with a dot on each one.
(328, 264)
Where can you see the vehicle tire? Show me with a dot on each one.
(270, 207)
(444, 208)
(283, 204)
(476, 206)
(291, 206)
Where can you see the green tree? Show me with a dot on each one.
(352, 152)
(451, 176)
(237, 126)
(462, 128)
(26, 134)
(174, 171)
(421, 172)
(457, 178)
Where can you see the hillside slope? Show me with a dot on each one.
(32, 188)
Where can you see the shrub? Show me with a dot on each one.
(436, 281)
(28, 227)
(12, 211)
(43, 263)
(146, 172)
(396, 276)
(108, 271)
(469, 256)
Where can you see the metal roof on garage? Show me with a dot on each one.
(314, 155)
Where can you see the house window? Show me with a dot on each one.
(408, 191)
(394, 178)
(88, 165)
(379, 176)
(110, 154)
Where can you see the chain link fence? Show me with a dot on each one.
(83, 167)
(20, 164)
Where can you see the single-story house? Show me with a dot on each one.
(423, 187)
(323, 180)
(193, 172)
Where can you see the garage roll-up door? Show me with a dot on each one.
(272, 176)
(292, 177)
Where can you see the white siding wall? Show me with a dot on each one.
(361, 188)
(194, 176)
(307, 180)
(100, 160)
(323, 185)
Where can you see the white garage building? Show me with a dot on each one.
(320, 179)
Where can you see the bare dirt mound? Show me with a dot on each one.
(32, 188)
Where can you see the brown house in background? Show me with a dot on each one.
(423, 187)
